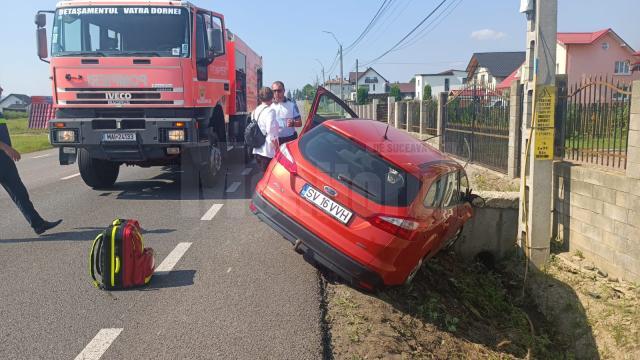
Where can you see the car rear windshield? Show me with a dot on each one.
(362, 170)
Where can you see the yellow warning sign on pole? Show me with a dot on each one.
(545, 112)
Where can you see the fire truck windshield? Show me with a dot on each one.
(121, 31)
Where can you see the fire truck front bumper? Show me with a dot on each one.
(124, 140)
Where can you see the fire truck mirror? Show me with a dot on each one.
(41, 20)
(41, 35)
(215, 39)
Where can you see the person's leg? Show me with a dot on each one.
(10, 180)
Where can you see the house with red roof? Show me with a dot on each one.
(581, 54)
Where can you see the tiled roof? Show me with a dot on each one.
(580, 37)
(500, 64)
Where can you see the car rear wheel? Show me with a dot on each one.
(99, 174)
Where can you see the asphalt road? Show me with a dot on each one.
(239, 290)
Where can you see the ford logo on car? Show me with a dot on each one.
(330, 191)
(118, 96)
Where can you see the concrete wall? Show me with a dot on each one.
(492, 229)
(597, 212)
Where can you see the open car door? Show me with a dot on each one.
(326, 106)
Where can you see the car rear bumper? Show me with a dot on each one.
(314, 248)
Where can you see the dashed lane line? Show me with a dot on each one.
(70, 176)
(99, 344)
(211, 212)
(233, 187)
(247, 171)
(172, 259)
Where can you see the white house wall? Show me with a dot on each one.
(437, 83)
(380, 86)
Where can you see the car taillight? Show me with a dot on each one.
(402, 227)
(285, 159)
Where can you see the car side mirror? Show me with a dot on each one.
(474, 199)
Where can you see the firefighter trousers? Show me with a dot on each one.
(10, 180)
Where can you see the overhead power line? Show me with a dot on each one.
(400, 42)
(427, 29)
(381, 10)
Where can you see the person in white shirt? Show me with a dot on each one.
(265, 115)
(287, 113)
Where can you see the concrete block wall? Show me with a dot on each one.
(597, 212)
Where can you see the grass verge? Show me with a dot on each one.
(26, 140)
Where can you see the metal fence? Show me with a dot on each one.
(476, 126)
(429, 117)
(592, 121)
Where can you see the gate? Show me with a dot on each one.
(382, 112)
(592, 121)
(476, 126)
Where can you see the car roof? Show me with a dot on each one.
(400, 148)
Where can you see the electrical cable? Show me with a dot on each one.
(409, 34)
(429, 28)
(369, 26)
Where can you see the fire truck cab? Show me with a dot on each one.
(146, 83)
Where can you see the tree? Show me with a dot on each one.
(289, 94)
(362, 94)
(426, 94)
(412, 81)
(395, 92)
(309, 92)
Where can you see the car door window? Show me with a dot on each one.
(451, 194)
(436, 193)
(464, 185)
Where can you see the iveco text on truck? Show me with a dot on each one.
(146, 83)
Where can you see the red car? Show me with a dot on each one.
(365, 200)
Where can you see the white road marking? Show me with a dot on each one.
(172, 259)
(233, 187)
(228, 270)
(99, 344)
(247, 171)
(70, 176)
(230, 147)
(41, 156)
(211, 212)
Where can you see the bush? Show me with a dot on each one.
(362, 95)
(10, 115)
(395, 92)
(426, 94)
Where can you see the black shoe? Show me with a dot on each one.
(46, 225)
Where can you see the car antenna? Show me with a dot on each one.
(385, 132)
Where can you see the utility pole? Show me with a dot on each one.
(356, 84)
(324, 81)
(341, 68)
(534, 229)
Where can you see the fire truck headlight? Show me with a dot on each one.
(176, 135)
(65, 136)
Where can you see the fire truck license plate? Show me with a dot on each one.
(119, 137)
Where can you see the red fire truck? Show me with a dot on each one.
(147, 83)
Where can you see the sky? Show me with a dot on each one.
(289, 35)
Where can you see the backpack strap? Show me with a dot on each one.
(96, 241)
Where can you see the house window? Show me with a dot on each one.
(622, 68)
(446, 85)
(374, 87)
(605, 46)
(483, 79)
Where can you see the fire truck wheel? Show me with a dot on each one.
(209, 172)
(99, 174)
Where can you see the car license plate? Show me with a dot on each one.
(329, 206)
(119, 136)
